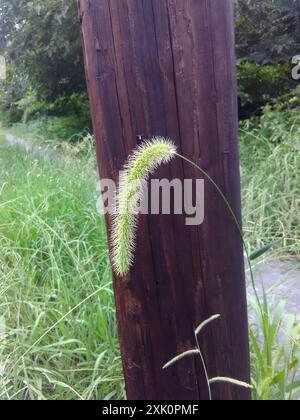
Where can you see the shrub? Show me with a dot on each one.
(260, 85)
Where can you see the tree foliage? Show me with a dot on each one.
(267, 37)
(267, 31)
(42, 40)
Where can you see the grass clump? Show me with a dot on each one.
(275, 352)
(53, 256)
(270, 164)
(270, 167)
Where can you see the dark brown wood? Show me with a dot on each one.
(166, 67)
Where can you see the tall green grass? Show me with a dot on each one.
(270, 165)
(275, 352)
(53, 255)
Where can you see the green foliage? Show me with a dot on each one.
(64, 118)
(270, 163)
(275, 353)
(42, 46)
(261, 84)
(267, 35)
(57, 344)
(263, 250)
(267, 31)
(289, 102)
(270, 180)
(42, 40)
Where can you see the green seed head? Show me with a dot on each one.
(144, 160)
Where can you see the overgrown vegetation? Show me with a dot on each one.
(53, 255)
(270, 155)
(270, 149)
(275, 352)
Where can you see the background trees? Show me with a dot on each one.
(51, 54)
(45, 65)
(268, 31)
(42, 46)
(267, 37)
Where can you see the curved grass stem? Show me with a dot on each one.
(236, 222)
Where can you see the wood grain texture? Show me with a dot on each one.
(166, 67)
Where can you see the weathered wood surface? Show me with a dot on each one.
(166, 67)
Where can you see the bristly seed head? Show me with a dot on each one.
(143, 162)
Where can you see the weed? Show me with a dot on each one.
(60, 338)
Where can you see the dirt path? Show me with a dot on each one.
(43, 151)
(15, 141)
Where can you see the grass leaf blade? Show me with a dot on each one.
(261, 251)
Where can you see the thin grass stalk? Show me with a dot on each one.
(218, 189)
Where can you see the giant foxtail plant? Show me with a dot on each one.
(140, 165)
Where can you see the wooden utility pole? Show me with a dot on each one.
(167, 67)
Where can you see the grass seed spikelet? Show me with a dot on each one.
(142, 163)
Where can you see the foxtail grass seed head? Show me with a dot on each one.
(142, 163)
